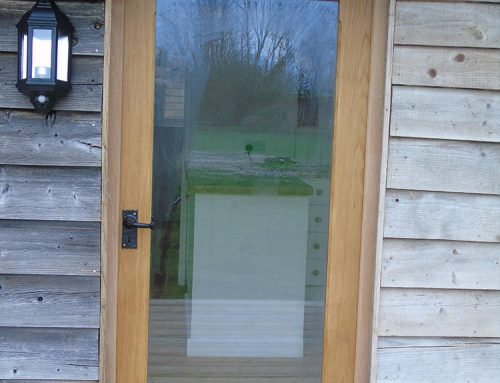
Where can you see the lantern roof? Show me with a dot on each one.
(45, 13)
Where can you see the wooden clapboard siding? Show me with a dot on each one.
(439, 252)
(47, 381)
(441, 264)
(64, 138)
(43, 193)
(50, 197)
(49, 248)
(84, 98)
(454, 114)
(435, 215)
(86, 16)
(438, 165)
(447, 67)
(48, 354)
(49, 301)
(442, 24)
(439, 313)
(437, 360)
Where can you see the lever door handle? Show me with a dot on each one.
(130, 221)
(130, 224)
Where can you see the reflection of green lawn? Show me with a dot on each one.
(305, 145)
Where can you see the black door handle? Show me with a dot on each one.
(130, 221)
(130, 224)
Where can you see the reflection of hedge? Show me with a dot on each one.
(239, 92)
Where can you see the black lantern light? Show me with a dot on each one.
(44, 54)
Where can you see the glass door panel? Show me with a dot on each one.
(242, 167)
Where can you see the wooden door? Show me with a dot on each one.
(313, 210)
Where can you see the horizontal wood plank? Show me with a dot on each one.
(49, 301)
(454, 114)
(48, 354)
(84, 98)
(62, 139)
(39, 193)
(86, 17)
(50, 248)
(447, 67)
(437, 165)
(47, 381)
(433, 215)
(444, 313)
(86, 70)
(438, 360)
(442, 24)
(441, 264)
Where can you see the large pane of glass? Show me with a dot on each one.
(242, 167)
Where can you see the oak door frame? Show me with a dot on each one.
(127, 144)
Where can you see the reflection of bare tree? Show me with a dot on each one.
(232, 64)
(255, 54)
(261, 32)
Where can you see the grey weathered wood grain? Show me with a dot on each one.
(48, 354)
(434, 215)
(40, 193)
(63, 139)
(454, 114)
(447, 67)
(84, 98)
(49, 301)
(438, 360)
(442, 24)
(49, 248)
(85, 17)
(441, 264)
(87, 70)
(437, 165)
(437, 312)
(46, 381)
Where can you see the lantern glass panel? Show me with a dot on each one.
(62, 56)
(42, 54)
(24, 56)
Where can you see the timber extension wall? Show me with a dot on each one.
(439, 249)
(50, 197)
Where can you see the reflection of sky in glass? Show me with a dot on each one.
(264, 31)
(42, 51)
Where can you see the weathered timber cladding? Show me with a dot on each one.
(440, 264)
(442, 24)
(49, 301)
(45, 193)
(66, 354)
(62, 139)
(438, 360)
(51, 248)
(50, 197)
(448, 114)
(439, 294)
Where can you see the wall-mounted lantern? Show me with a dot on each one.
(44, 54)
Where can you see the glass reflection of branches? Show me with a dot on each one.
(235, 77)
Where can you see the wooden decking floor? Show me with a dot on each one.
(168, 362)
